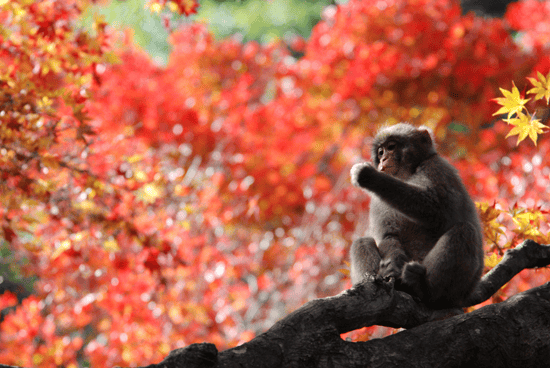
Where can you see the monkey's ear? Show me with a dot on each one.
(426, 135)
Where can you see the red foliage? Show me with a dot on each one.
(202, 201)
(134, 94)
(531, 18)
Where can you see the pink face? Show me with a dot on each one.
(386, 156)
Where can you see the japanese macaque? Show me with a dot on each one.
(424, 229)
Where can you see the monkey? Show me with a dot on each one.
(423, 227)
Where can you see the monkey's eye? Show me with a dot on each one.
(391, 146)
(380, 152)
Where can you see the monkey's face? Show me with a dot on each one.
(389, 158)
(399, 149)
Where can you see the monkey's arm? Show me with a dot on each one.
(417, 202)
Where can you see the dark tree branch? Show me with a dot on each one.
(513, 333)
(528, 254)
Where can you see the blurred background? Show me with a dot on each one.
(175, 172)
(258, 20)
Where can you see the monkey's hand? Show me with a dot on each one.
(392, 267)
(361, 173)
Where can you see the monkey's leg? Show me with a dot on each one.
(449, 271)
(365, 258)
(393, 258)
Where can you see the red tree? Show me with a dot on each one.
(202, 201)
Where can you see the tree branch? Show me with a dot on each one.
(528, 254)
(513, 333)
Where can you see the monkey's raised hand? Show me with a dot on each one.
(360, 174)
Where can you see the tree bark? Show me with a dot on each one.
(514, 333)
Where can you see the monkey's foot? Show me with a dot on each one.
(413, 279)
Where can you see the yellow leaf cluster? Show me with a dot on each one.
(524, 124)
(528, 222)
(542, 87)
(492, 227)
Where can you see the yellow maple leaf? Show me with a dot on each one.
(492, 260)
(528, 222)
(524, 126)
(542, 87)
(525, 218)
(512, 103)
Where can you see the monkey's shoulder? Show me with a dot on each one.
(438, 170)
(438, 174)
